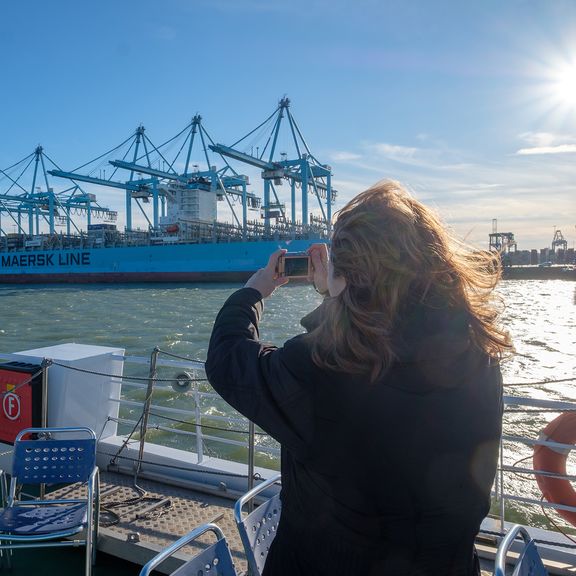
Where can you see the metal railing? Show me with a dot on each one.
(513, 483)
(209, 428)
(516, 482)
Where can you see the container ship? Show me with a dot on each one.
(49, 236)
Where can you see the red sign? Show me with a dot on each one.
(16, 409)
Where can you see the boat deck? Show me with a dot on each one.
(135, 527)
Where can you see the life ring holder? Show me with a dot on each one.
(183, 382)
(550, 459)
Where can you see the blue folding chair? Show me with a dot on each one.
(212, 561)
(529, 562)
(52, 456)
(258, 529)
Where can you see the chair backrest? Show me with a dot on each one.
(258, 529)
(212, 561)
(48, 460)
(529, 562)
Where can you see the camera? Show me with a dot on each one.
(294, 265)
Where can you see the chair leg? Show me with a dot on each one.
(89, 560)
(94, 545)
(6, 557)
(96, 525)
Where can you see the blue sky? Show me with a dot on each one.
(471, 104)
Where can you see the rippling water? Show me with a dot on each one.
(540, 315)
(177, 318)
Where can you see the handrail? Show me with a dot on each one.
(503, 493)
(200, 411)
(204, 400)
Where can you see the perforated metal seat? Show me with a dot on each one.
(213, 561)
(529, 562)
(52, 456)
(258, 529)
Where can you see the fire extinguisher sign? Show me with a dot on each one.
(11, 405)
(17, 410)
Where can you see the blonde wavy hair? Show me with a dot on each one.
(392, 251)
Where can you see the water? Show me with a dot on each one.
(177, 318)
(539, 314)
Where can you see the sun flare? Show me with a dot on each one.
(564, 85)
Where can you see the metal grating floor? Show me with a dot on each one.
(137, 528)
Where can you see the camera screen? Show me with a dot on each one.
(296, 266)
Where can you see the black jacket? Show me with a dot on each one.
(385, 478)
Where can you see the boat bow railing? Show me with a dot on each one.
(217, 429)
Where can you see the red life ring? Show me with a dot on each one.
(557, 490)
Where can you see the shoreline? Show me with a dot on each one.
(558, 272)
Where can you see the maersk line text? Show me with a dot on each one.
(31, 260)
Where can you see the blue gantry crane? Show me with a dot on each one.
(175, 183)
(304, 171)
(25, 199)
(137, 189)
(164, 182)
(224, 183)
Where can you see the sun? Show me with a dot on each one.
(563, 85)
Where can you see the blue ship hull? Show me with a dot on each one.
(210, 262)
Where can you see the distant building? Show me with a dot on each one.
(520, 258)
(505, 244)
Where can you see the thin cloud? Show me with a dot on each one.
(470, 194)
(546, 143)
(343, 156)
(560, 149)
(395, 151)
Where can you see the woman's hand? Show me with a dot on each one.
(266, 280)
(319, 256)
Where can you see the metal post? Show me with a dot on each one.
(267, 207)
(44, 418)
(198, 418)
(251, 444)
(146, 409)
(45, 365)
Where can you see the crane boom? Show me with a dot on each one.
(134, 185)
(242, 157)
(145, 170)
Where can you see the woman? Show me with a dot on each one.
(389, 409)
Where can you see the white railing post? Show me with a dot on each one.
(500, 486)
(198, 418)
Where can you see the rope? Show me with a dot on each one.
(23, 383)
(172, 355)
(107, 507)
(146, 379)
(542, 382)
(118, 377)
(206, 425)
